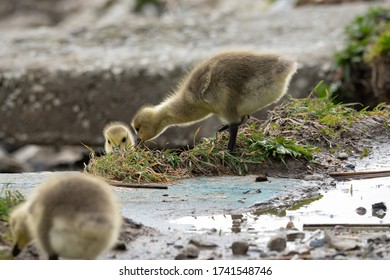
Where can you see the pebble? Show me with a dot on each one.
(317, 243)
(277, 242)
(294, 235)
(240, 247)
(290, 225)
(340, 244)
(202, 243)
(188, 252)
(379, 206)
(342, 156)
(120, 246)
(261, 179)
(361, 211)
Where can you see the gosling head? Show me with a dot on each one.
(117, 137)
(20, 232)
(147, 124)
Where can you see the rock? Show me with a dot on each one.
(340, 244)
(379, 210)
(290, 225)
(314, 177)
(42, 158)
(240, 247)
(361, 211)
(8, 164)
(261, 179)
(120, 246)
(339, 229)
(277, 242)
(294, 235)
(317, 243)
(379, 214)
(342, 156)
(188, 252)
(202, 243)
(379, 206)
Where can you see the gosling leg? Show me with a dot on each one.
(233, 129)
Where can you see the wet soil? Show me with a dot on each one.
(174, 224)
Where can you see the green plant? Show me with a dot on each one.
(9, 199)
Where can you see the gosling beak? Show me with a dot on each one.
(15, 251)
(116, 150)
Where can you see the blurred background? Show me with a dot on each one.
(68, 67)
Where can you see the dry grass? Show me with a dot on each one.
(299, 128)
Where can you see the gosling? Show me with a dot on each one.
(230, 85)
(117, 137)
(69, 216)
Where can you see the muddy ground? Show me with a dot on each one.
(163, 224)
(101, 52)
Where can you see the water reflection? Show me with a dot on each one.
(340, 205)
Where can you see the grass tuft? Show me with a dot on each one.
(8, 200)
(297, 129)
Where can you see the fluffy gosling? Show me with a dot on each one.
(117, 137)
(69, 216)
(230, 85)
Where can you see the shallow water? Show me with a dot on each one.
(335, 206)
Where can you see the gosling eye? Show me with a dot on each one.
(123, 139)
(109, 142)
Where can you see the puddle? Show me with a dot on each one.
(334, 206)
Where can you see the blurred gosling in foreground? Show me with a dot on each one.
(230, 85)
(69, 216)
(117, 136)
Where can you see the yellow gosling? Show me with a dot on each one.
(117, 137)
(230, 85)
(69, 216)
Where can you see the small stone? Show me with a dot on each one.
(361, 211)
(379, 206)
(340, 244)
(261, 179)
(339, 229)
(277, 242)
(314, 177)
(189, 252)
(290, 225)
(120, 246)
(294, 235)
(342, 156)
(317, 243)
(379, 214)
(350, 166)
(202, 243)
(240, 247)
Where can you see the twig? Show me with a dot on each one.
(139, 186)
(360, 174)
(374, 227)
